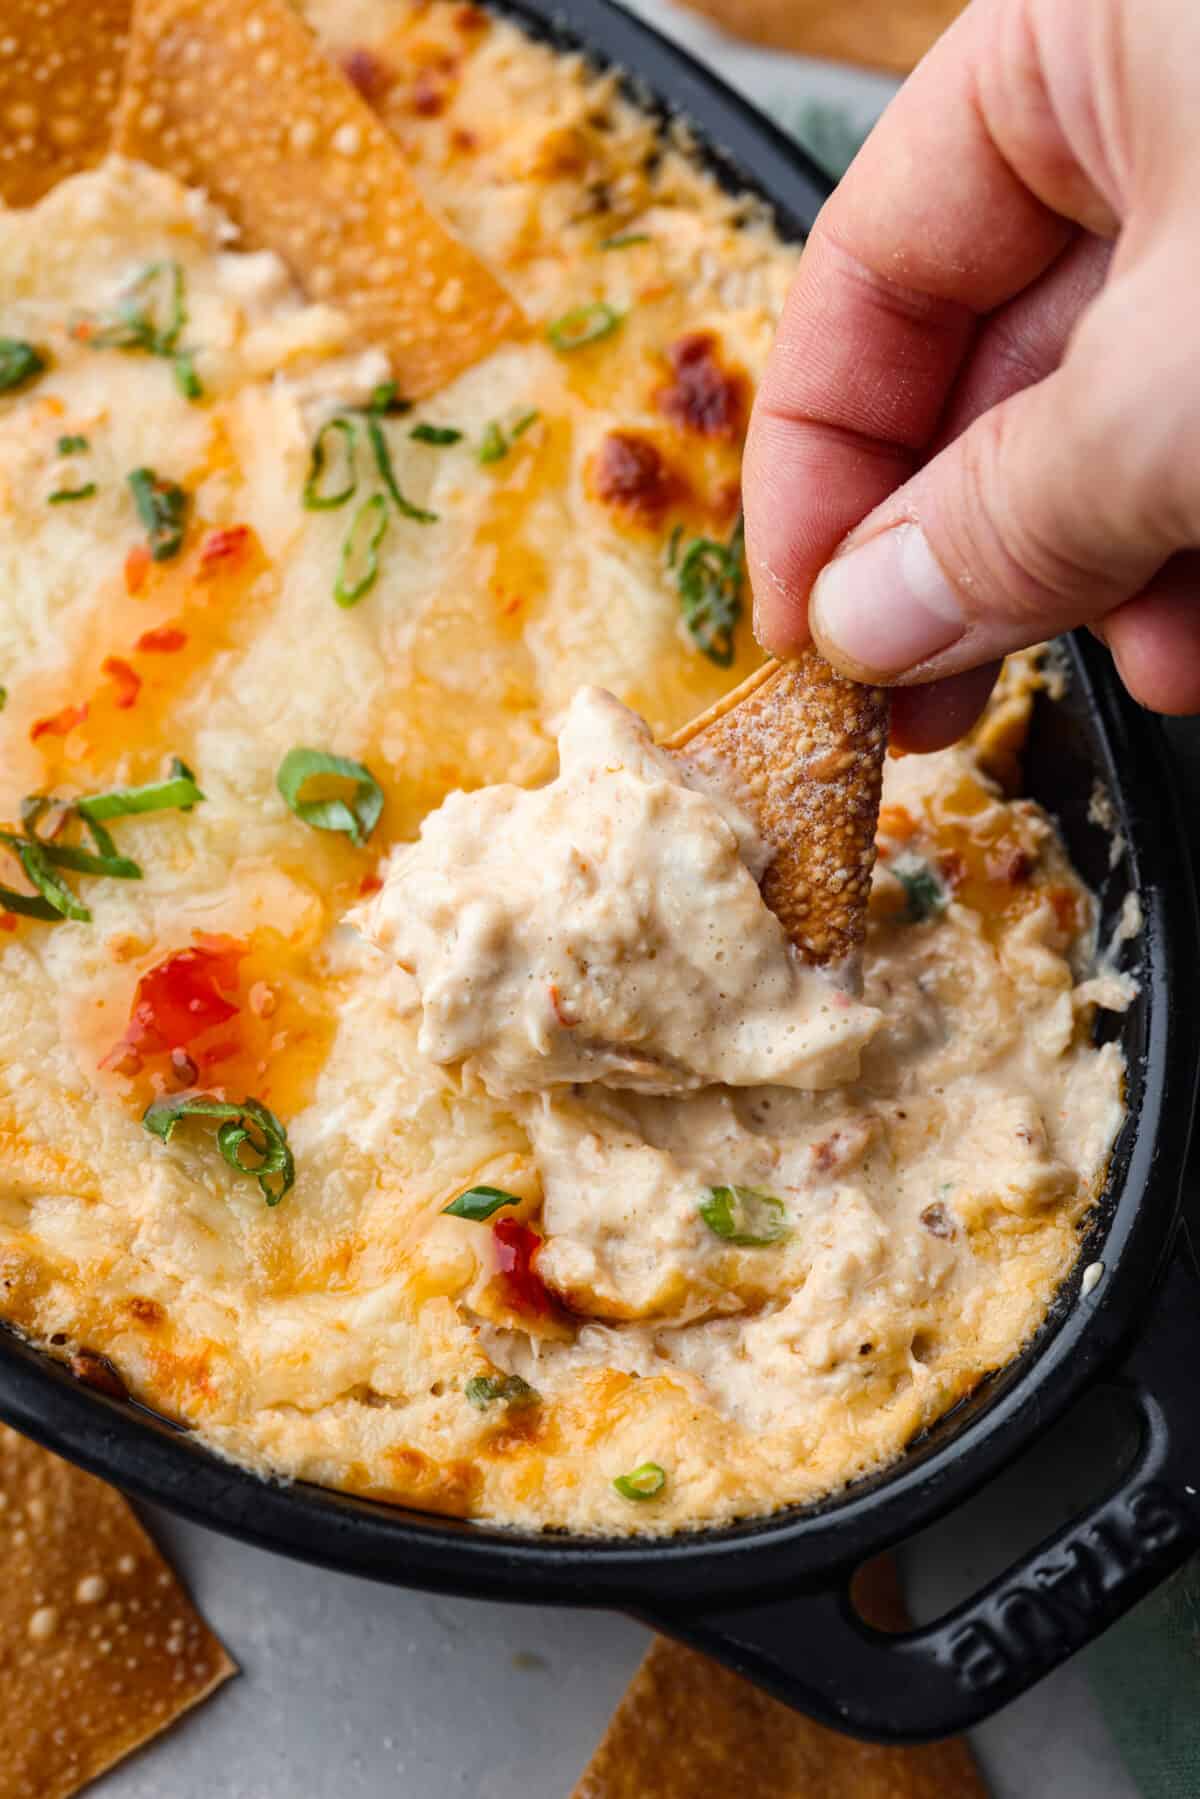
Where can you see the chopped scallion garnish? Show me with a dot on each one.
(62, 494)
(623, 240)
(383, 462)
(439, 435)
(478, 1203)
(496, 442)
(924, 893)
(162, 508)
(246, 1123)
(744, 1216)
(19, 362)
(314, 499)
(178, 792)
(150, 316)
(72, 446)
(710, 577)
(357, 813)
(386, 399)
(644, 1482)
(583, 325)
(360, 550)
(482, 1390)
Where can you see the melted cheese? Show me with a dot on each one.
(933, 1203)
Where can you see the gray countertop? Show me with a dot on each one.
(362, 1691)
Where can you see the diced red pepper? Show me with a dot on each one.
(225, 545)
(127, 681)
(163, 640)
(182, 997)
(59, 724)
(516, 1255)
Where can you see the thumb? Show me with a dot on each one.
(1048, 512)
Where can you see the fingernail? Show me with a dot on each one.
(886, 605)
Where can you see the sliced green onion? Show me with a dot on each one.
(25, 905)
(435, 434)
(135, 325)
(162, 508)
(19, 362)
(178, 792)
(383, 462)
(482, 1390)
(496, 443)
(644, 1482)
(624, 240)
(924, 893)
(83, 862)
(583, 325)
(72, 446)
(371, 519)
(314, 499)
(744, 1216)
(62, 494)
(357, 815)
(248, 1122)
(3, 698)
(710, 578)
(386, 400)
(33, 859)
(478, 1203)
(186, 379)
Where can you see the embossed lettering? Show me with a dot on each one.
(1158, 1518)
(979, 1660)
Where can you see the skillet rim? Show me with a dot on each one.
(155, 1460)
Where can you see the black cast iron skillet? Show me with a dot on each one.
(770, 1598)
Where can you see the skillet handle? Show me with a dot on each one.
(813, 1651)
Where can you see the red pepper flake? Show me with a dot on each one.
(137, 567)
(82, 330)
(368, 73)
(560, 1010)
(628, 472)
(369, 884)
(126, 680)
(8, 921)
(59, 724)
(517, 1249)
(703, 397)
(162, 640)
(226, 545)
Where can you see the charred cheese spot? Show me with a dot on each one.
(630, 474)
(703, 396)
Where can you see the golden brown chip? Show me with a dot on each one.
(807, 746)
(689, 1729)
(100, 1648)
(235, 96)
(881, 33)
(60, 73)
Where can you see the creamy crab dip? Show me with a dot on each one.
(607, 927)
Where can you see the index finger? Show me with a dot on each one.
(932, 228)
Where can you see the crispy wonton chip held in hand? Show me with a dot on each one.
(100, 1647)
(235, 96)
(61, 63)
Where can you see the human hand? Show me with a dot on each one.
(988, 371)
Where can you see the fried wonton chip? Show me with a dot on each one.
(235, 96)
(807, 747)
(689, 1729)
(60, 74)
(100, 1648)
